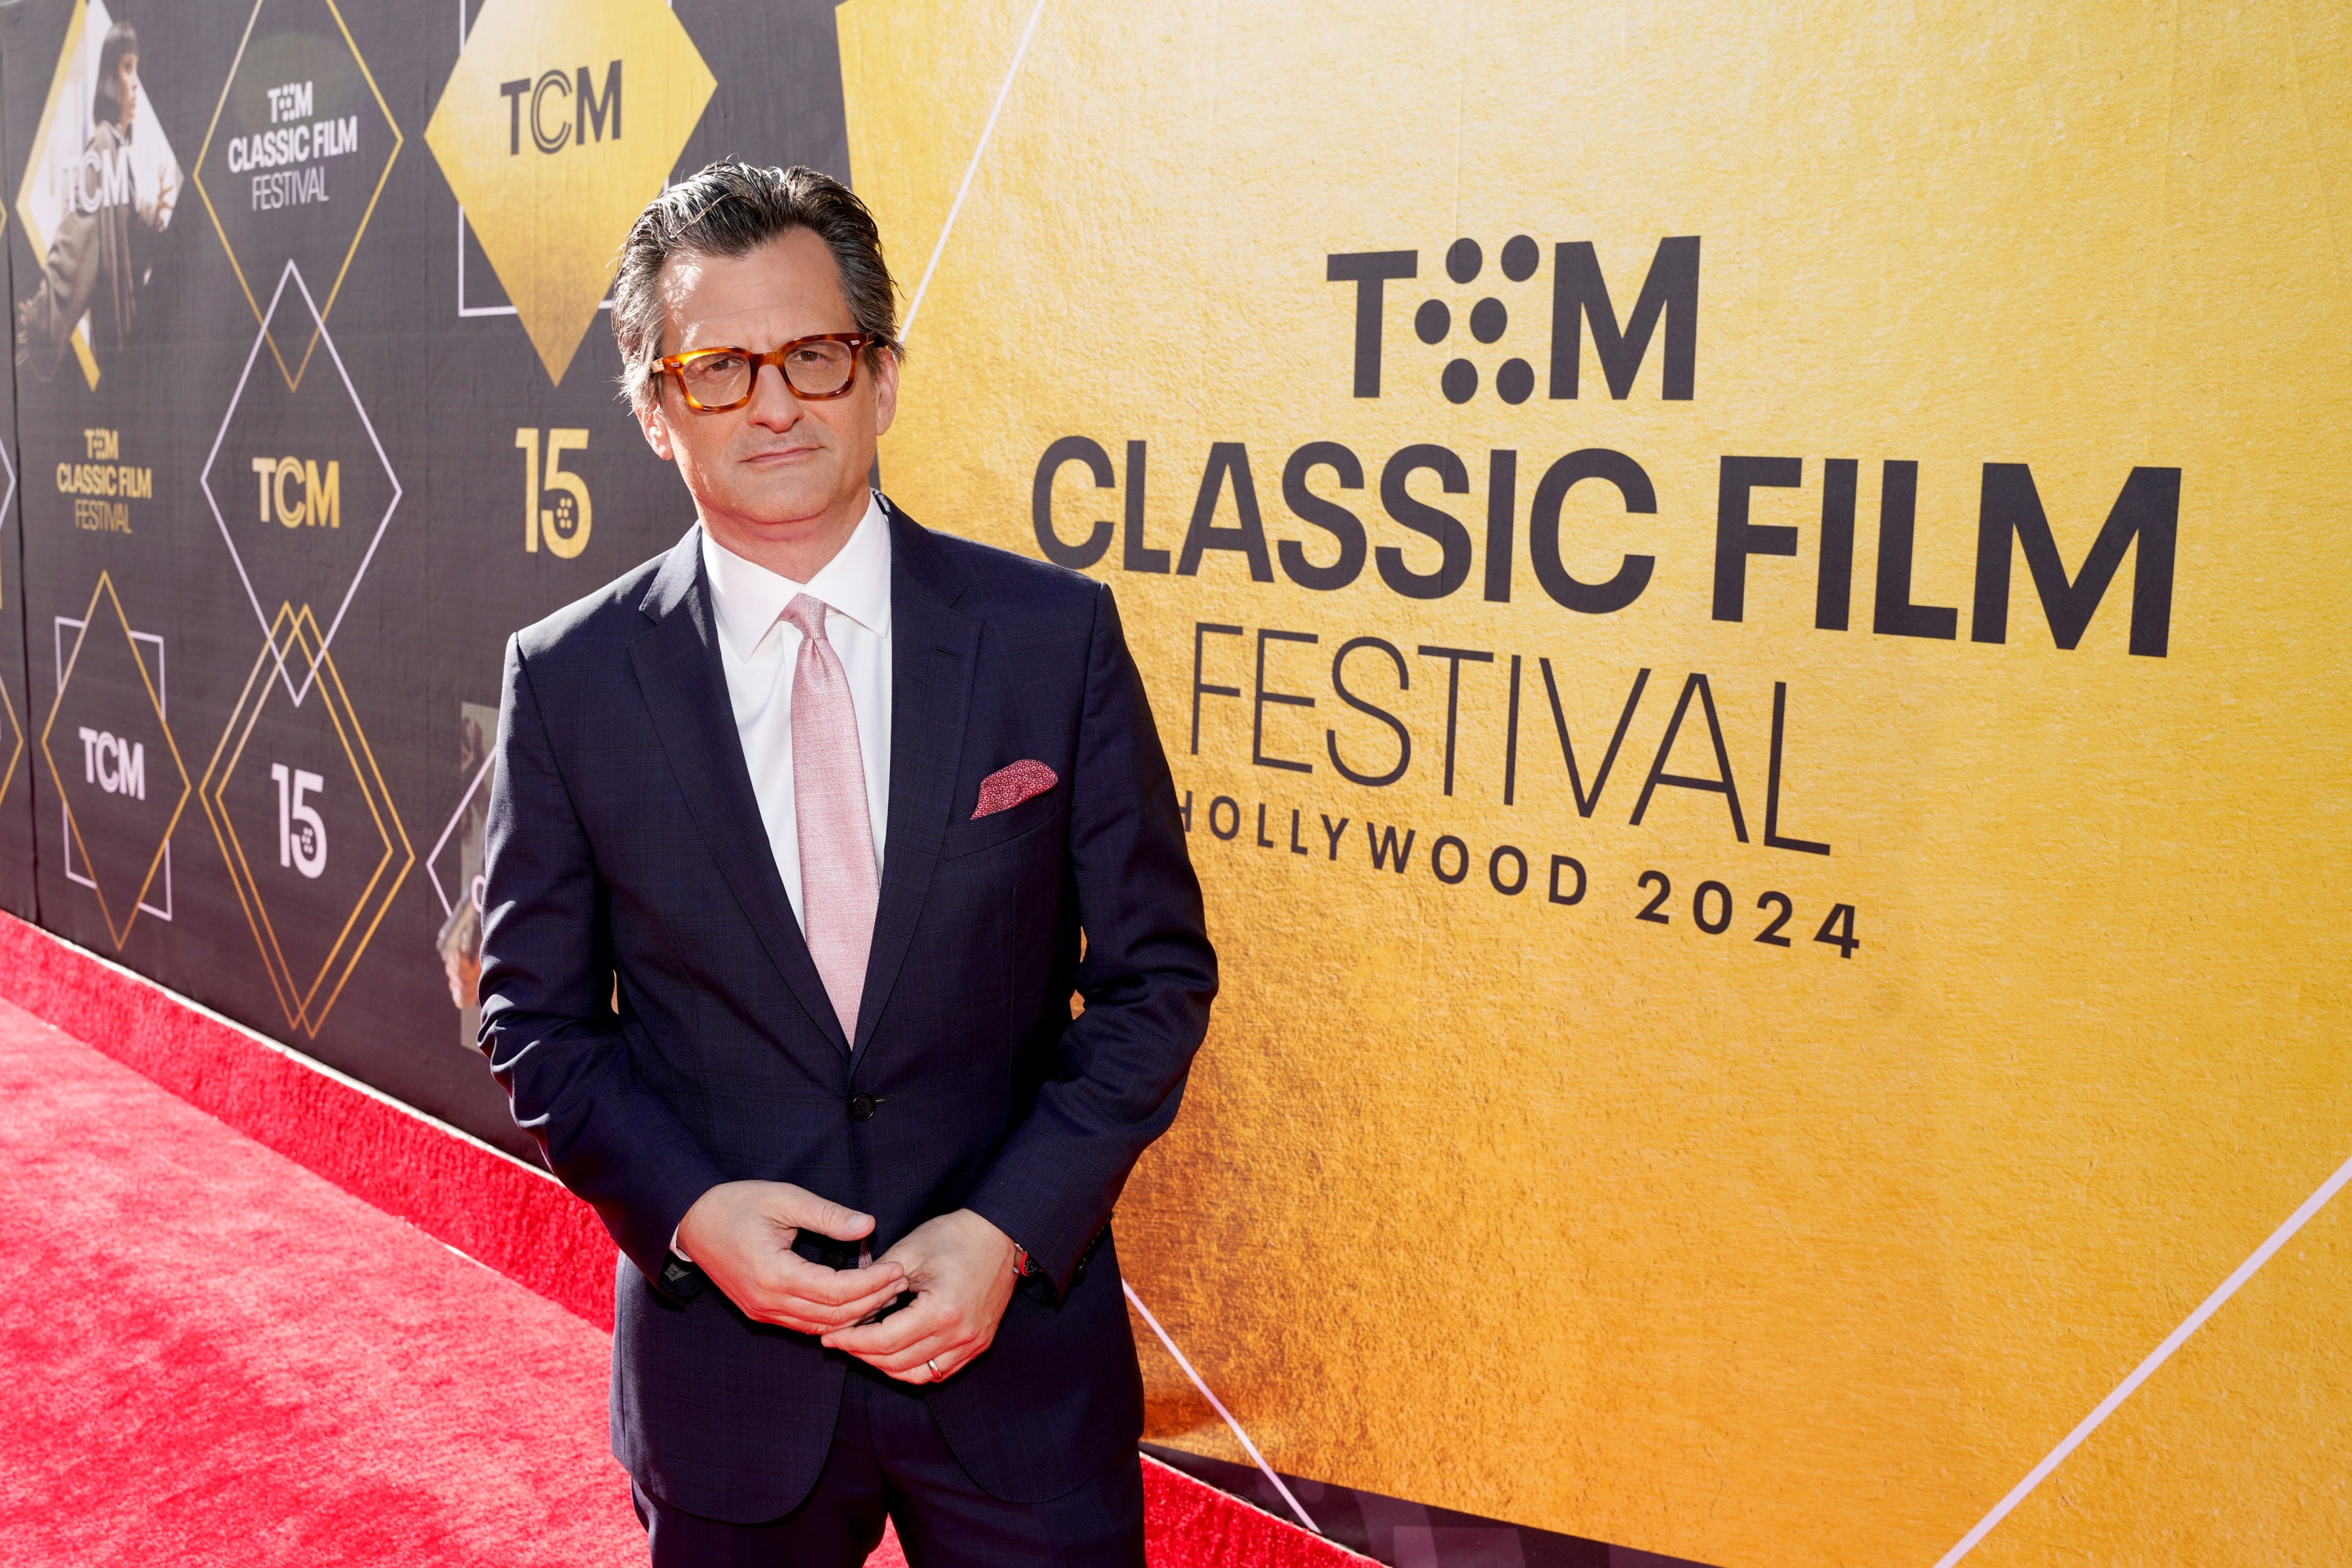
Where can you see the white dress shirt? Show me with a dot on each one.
(759, 650)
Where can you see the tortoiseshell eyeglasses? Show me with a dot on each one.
(718, 379)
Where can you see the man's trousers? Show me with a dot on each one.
(889, 1459)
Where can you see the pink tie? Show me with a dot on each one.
(837, 883)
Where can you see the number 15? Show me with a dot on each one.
(563, 526)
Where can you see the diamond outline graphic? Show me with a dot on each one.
(196, 178)
(299, 630)
(455, 817)
(57, 624)
(105, 590)
(205, 479)
(16, 750)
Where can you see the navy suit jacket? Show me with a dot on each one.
(625, 843)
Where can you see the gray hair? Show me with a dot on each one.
(732, 208)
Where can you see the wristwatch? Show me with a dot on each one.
(1022, 1266)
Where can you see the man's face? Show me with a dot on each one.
(777, 471)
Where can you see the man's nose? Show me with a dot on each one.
(772, 402)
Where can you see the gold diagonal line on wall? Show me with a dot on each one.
(328, 695)
(398, 142)
(338, 702)
(370, 775)
(211, 795)
(197, 175)
(17, 752)
(273, 955)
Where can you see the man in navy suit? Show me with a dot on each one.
(805, 836)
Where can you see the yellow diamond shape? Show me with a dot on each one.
(294, 637)
(116, 622)
(550, 170)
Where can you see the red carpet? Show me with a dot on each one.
(221, 1358)
(226, 1354)
(516, 1220)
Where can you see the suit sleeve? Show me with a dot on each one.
(1148, 977)
(547, 1023)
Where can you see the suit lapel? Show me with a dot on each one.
(685, 687)
(934, 660)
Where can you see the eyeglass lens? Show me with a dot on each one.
(814, 370)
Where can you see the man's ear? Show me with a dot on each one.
(885, 391)
(655, 422)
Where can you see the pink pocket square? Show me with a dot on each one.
(1008, 786)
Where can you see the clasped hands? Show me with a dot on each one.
(959, 1266)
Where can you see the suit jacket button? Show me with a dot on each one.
(861, 1107)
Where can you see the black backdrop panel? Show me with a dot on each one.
(16, 717)
(296, 462)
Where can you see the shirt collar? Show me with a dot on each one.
(856, 583)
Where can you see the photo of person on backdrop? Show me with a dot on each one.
(109, 207)
(834, 798)
(457, 943)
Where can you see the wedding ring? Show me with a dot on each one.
(935, 1372)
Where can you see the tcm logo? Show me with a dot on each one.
(101, 180)
(298, 494)
(1667, 300)
(564, 110)
(549, 225)
(118, 767)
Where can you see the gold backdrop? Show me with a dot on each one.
(1663, 1233)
